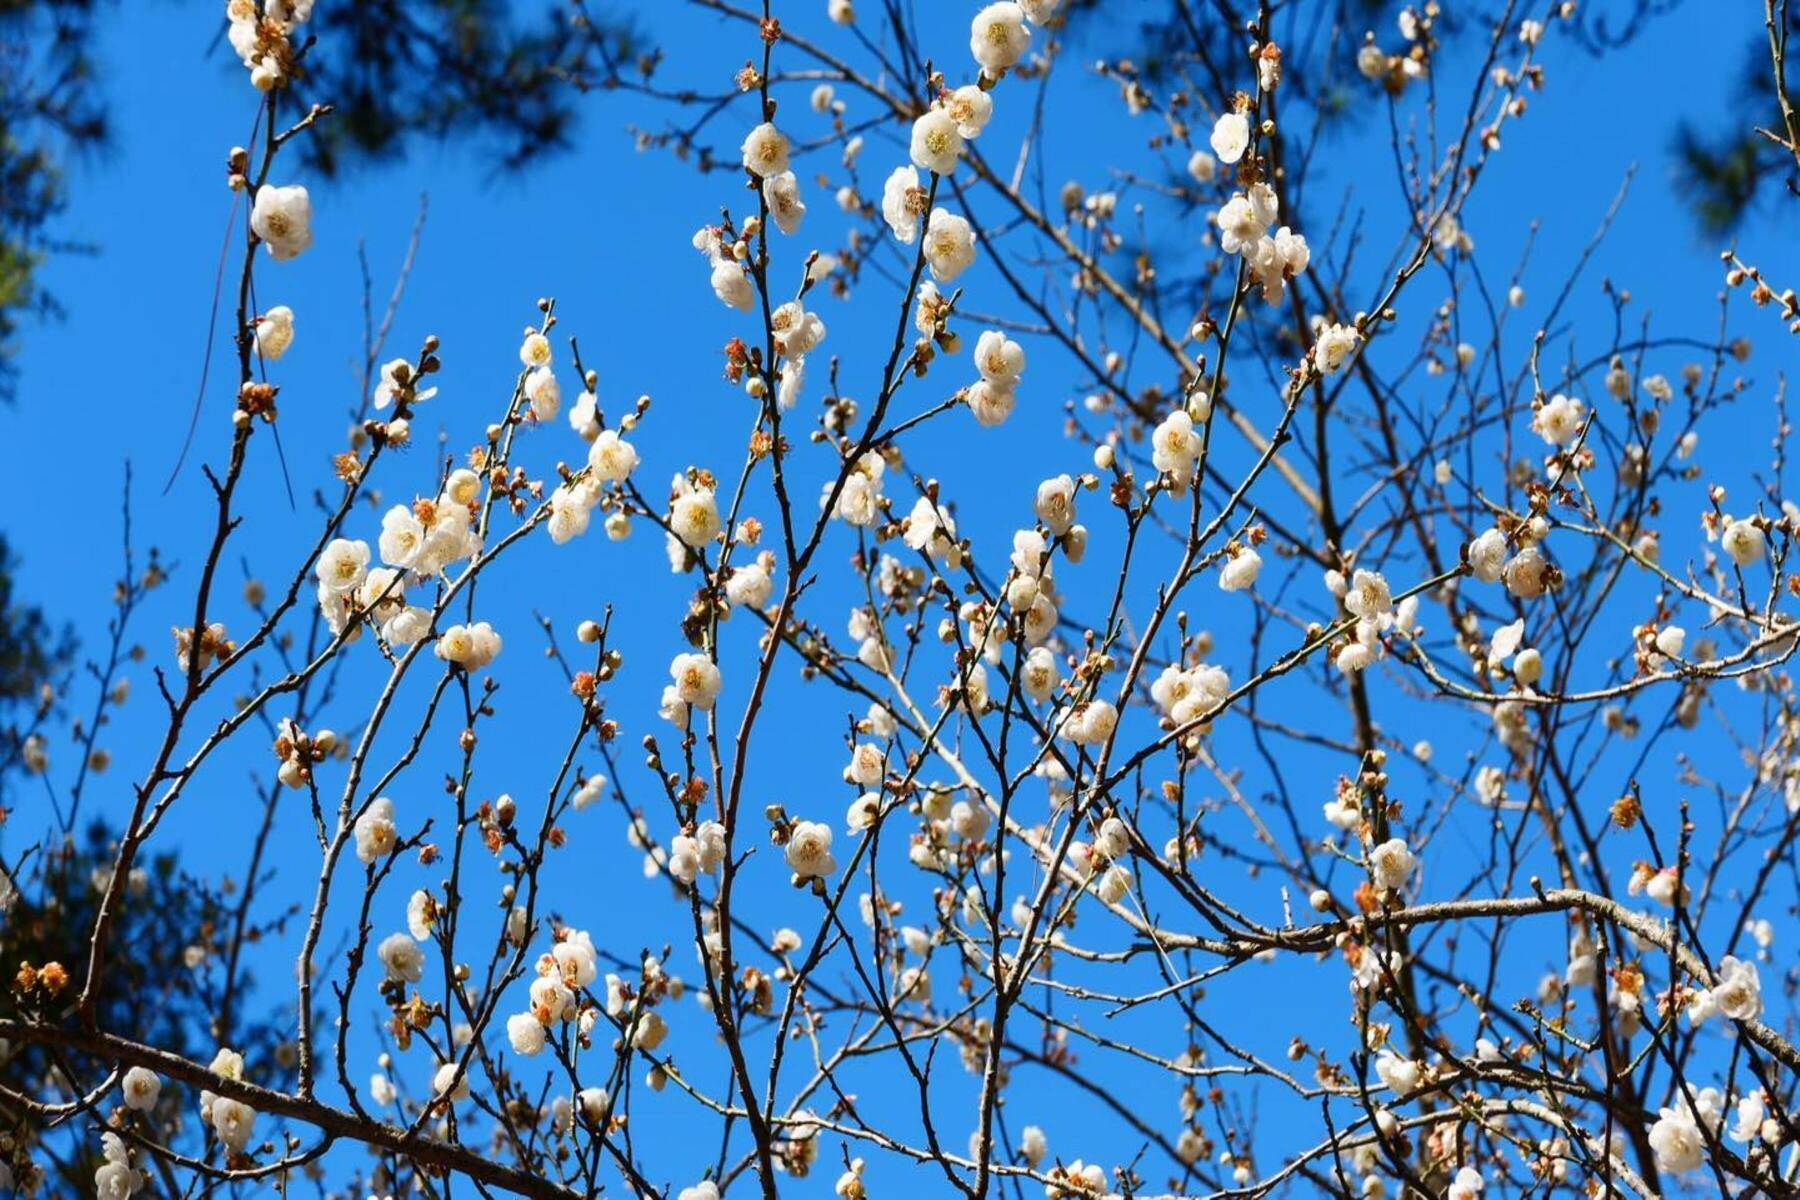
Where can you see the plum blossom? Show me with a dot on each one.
(930, 529)
(1743, 541)
(611, 458)
(140, 1089)
(998, 357)
(1527, 574)
(342, 565)
(937, 143)
(903, 202)
(1558, 420)
(697, 680)
(471, 647)
(949, 244)
(376, 835)
(401, 958)
(1402, 1075)
(1676, 1136)
(732, 285)
(998, 36)
(275, 332)
(971, 108)
(1246, 217)
(693, 513)
(1230, 137)
(281, 217)
(1391, 864)
(1175, 447)
(991, 401)
(1055, 504)
(1738, 993)
(765, 151)
(233, 1121)
(1333, 347)
(809, 850)
(525, 1033)
(1487, 556)
(797, 331)
(782, 194)
(1240, 570)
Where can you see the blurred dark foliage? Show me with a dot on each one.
(478, 74)
(473, 72)
(167, 985)
(34, 653)
(50, 108)
(1724, 168)
(31, 649)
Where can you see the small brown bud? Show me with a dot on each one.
(1626, 810)
(53, 978)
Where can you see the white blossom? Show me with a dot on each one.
(375, 833)
(1246, 218)
(401, 958)
(1676, 1137)
(140, 1089)
(929, 528)
(611, 458)
(732, 285)
(590, 791)
(1467, 1185)
(991, 402)
(526, 1034)
(1558, 420)
(1527, 573)
(446, 1084)
(971, 108)
(544, 393)
(782, 194)
(1333, 348)
(570, 510)
(1487, 556)
(1743, 541)
(1240, 570)
(750, 586)
(1738, 993)
(809, 850)
(471, 647)
(1369, 596)
(765, 151)
(797, 331)
(1230, 137)
(275, 332)
(1392, 864)
(697, 680)
(937, 142)
(949, 244)
(902, 203)
(1371, 63)
(1090, 723)
(282, 218)
(342, 565)
(694, 514)
(998, 37)
(1055, 504)
(1402, 1075)
(1175, 447)
(998, 357)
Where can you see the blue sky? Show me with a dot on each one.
(606, 231)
